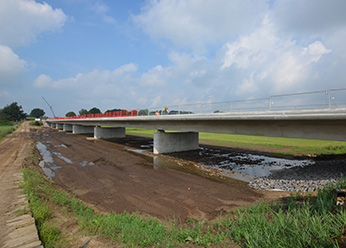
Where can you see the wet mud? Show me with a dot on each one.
(231, 163)
(112, 178)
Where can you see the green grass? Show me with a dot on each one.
(5, 130)
(300, 221)
(289, 146)
(309, 223)
(4, 127)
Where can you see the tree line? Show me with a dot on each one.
(15, 112)
(93, 110)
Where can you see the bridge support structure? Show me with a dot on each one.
(79, 129)
(68, 127)
(175, 141)
(59, 126)
(111, 132)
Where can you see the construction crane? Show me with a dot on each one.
(49, 106)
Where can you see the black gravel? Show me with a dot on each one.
(303, 179)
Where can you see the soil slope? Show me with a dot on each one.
(111, 178)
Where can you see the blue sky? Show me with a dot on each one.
(137, 54)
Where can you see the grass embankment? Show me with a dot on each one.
(287, 146)
(6, 128)
(300, 221)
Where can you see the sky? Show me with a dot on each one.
(143, 53)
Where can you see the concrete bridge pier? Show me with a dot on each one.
(59, 126)
(79, 129)
(68, 127)
(175, 142)
(109, 132)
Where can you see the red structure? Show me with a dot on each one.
(121, 113)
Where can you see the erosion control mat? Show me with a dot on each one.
(111, 178)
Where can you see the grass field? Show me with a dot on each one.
(4, 127)
(288, 146)
(5, 130)
(300, 221)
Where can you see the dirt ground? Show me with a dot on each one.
(111, 178)
(13, 150)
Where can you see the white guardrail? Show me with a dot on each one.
(331, 98)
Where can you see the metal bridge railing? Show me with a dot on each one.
(330, 98)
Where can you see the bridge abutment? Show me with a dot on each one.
(79, 129)
(106, 133)
(175, 142)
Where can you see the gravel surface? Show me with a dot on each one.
(302, 179)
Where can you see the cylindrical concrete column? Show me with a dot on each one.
(79, 129)
(60, 126)
(111, 132)
(68, 127)
(175, 142)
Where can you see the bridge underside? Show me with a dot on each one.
(326, 124)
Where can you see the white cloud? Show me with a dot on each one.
(43, 81)
(11, 67)
(305, 17)
(274, 62)
(21, 21)
(195, 23)
(154, 77)
(95, 82)
(251, 49)
(316, 50)
(102, 9)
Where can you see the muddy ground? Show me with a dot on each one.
(111, 178)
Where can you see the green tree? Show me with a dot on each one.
(113, 110)
(71, 113)
(94, 110)
(143, 112)
(37, 113)
(13, 112)
(83, 112)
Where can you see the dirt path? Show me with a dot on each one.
(113, 179)
(13, 150)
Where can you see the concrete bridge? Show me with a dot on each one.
(325, 124)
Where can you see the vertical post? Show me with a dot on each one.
(201, 108)
(270, 103)
(230, 106)
(179, 109)
(328, 99)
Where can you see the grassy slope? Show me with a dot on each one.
(301, 147)
(276, 224)
(5, 130)
(3, 127)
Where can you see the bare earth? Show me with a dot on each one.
(118, 180)
(13, 150)
(110, 178)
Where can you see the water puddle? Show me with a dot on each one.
(164, 162)
(47, 164)
(58, 154)
(225, 163)
(86, 163)
(62, 145)
(233, 164)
